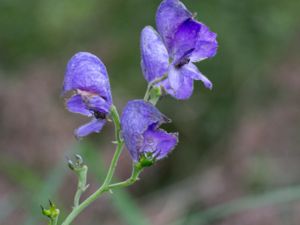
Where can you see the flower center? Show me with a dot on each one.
(99, 115)
(184, 59)
(182, 62)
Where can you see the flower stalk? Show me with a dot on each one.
(136, 170)
(105, 186)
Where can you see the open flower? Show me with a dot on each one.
(87, 77)
(181, 41)
(146, 143)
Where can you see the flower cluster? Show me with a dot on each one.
(167, 61)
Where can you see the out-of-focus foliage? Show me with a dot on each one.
(242, 136)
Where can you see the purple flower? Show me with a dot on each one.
(87, 77)
(146, 143)
(183, 40)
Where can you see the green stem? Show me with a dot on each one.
(100, 191)
(116, 119)
(151, 84)
(134, 177)
(110, 173)
(147, 94)
(81, 186)
(55, 220)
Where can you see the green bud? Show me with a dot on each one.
(79, 160)
(76, 165)
(146, 160)
(52, 213)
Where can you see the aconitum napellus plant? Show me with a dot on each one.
(168, 58)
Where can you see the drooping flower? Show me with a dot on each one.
(181, 41)
(87, 77)
(146, 143)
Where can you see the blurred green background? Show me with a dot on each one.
(238, 159)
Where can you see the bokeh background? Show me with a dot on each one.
(238, 159)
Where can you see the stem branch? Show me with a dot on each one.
(81, 186)
(120, 143)
(134, 177)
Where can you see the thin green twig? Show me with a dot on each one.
(134, 177)
(81, 186)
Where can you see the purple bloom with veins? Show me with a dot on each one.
(146, 143)
(87, 77)
(180, 41)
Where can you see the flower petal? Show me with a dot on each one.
(98, 104)
(136, 118)
(155, 58)
(170, 14)
(206, 45)
(76, 105)
(175, 78)
(95, 125)
(185, 39)
(190, 70)
(178, 85)
(196, 39)
(159, 142)
(86, 72)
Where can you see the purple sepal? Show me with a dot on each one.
(170, 14)
(96, 103)
(155, 58)
(190, 70)
(185, 38)
(206, 45)
(95, 125)
(140, 123)
(159, 142)
(76, 105)
(194, 38)
(86, 72)
(181, 89)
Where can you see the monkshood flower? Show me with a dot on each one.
(87, 77)
(181, 40)
(146, 143)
